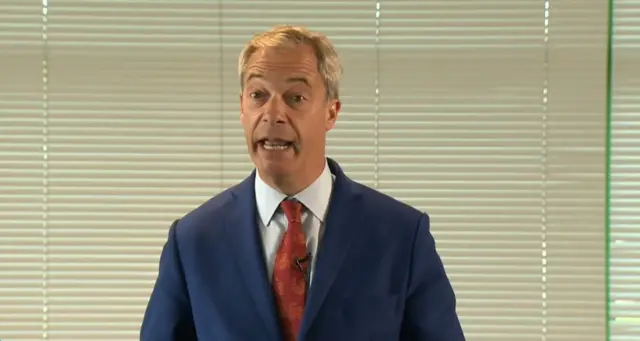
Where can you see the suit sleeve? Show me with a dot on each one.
(430, 307)
(168, 314)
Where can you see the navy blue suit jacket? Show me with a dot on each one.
(377, 275)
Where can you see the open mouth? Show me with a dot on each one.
(275, 144)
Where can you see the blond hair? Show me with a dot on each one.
(329, 65)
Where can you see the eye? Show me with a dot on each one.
(256, 94)
(297, 98)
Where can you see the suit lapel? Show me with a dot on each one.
(242, 228)
(341, 225)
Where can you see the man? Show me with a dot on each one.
(298, 251)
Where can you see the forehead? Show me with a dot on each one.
(277, 64)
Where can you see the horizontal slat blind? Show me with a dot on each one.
(461, 137)
(479, 125)
(22, 171)
(625, 174)
(574, 171)
(134, 142)
(482, 113)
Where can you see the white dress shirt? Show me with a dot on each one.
(273, 223)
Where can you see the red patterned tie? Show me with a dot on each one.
(289, 273)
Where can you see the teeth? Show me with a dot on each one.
(275, 146)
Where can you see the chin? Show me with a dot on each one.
(276, 168)
(275, 163)
(266, 164)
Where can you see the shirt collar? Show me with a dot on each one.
(315, 197)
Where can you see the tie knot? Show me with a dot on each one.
(292, 209)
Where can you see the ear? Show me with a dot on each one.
(332, 114)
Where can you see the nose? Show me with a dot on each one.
(274, 111)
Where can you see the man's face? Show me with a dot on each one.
(285, 112)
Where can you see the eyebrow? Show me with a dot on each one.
(288, 80)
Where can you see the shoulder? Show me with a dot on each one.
(380, 210)
(389, 224)
(383, 207)
(208, 215)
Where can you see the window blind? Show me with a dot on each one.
(22, 171)
(575, 170)
(124, 115)
(624, 268)
(491, 119)
(134, 142)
